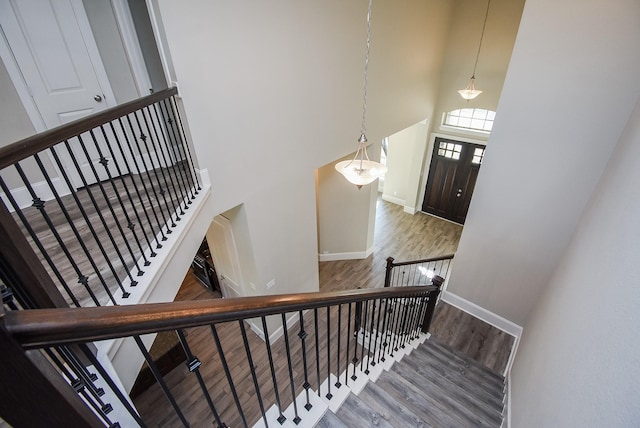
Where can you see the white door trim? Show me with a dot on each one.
(21, 85)
(131, 45)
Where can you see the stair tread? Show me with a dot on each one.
(471, 368)
(389, 408)
(449, 394)
(460, 381)
(460, 356)
(425, 407)
(354, 413)
(330, 420)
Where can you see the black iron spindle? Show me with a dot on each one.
(227, 373)
(184, 183)
(281, 417)
(39, 204)
(146, 172)
(315, 328)
(252, 369)
(303, 336)
(377, 338)
(106, 198)
(160, 380)
(329, 395)
(38, 243)
(363, 329)
(76, 233)
(356, 327)
(111, 384)
(296, 419)
(346, 362)
(179, 147)
(338, 384)
(185, 142)
(371, 340)
(87, 221)
(170, 162)
(193, 364)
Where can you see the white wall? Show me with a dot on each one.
(405, 147)
(550, 143)
(274, 90)
(579, 359)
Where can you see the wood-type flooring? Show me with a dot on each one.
(398, 234)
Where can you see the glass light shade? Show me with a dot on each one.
(470, 92)
(361, 172)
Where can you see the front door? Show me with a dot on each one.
(54, 50)
(452, 177)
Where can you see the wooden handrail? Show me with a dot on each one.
(44, 327)
(415, 262)
(36, 143)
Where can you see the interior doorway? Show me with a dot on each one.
(452, 178)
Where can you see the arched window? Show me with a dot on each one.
(474, 119)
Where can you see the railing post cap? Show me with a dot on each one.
(437, 280)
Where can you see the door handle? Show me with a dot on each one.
(98, 98)
(459, 193)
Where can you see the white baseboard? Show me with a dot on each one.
(356, 255)
(23, 197)
(490, 318)
(481, 313)
(410, 210)
(393, 199)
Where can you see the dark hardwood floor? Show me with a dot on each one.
(398, 234)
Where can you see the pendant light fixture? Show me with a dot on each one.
(470, 92)
(360, 170)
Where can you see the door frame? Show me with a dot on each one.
(429, 155)
(94, 55)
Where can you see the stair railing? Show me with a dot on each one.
(97, 197)
(326, 340)
(416, 272)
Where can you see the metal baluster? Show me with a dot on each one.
(383, 332)
(296, 419)
(400, 325)
(338, 384)
(281, 417)
(105, 163)
(183, 138)
(160, 380)
(363, 328)
(371, 340)
(193, 364)
(39, 204)
(303, 336)
(164, 183)
(38, 243)
(356, 327)
(252, 368)
(144, 137)
(346, 362)
(121, 177)
(179, 146)
(105, 376)
(315, 327)
(133, 172)
(392, 325)
(106, 198)
(170, 163)
(329, 395)
(178, 157)
(87, 221)
(227, 372)
(143, 181)
(78, 236)
(377, 340)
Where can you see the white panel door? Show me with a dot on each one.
(225, 257)
(52, 45)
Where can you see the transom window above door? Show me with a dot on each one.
(474, 119)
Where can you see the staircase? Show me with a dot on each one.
(426, 384)
(433, 386)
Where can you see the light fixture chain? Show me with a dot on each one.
(366, 69)
(486, 15)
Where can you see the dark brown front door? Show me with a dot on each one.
(452, 177)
